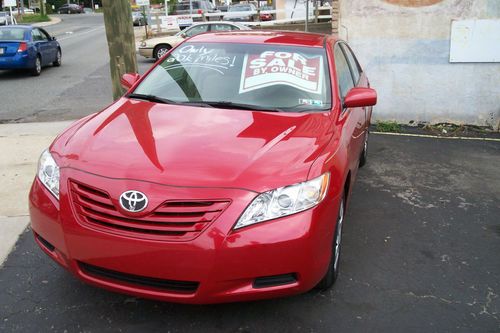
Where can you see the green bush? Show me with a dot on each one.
(388, 126)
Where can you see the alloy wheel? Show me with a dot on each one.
(161, 52)
(338, 236)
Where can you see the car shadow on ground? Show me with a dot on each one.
(20, 74)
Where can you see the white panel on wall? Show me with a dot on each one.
(475, 41)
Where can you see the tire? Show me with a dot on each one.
(161, 50)
(333, 268)
(37, 70)
(58, 60)
(364, 153)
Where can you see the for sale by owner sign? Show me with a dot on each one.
(282, 68)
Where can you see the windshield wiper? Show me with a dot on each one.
(242, 106)
(152, 98)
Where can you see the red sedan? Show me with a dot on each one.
(221, 175)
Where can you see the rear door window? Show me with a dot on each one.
(37, 36)
(220, 27)
(198, 29)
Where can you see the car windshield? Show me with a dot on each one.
(11, 34)
(246, 76)
(240, 9)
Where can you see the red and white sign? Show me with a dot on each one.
(289, 68)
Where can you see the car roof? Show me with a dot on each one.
(264, 37)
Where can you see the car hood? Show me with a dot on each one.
(195, 146)
(172, 40)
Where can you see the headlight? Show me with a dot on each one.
(48, 173)
(143, 44)
(285, 201)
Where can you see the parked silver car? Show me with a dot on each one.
(5, 18)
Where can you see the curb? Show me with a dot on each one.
(21, 145)
(53, 20)
(437, 137)
(12, 229)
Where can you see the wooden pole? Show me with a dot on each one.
(121, 41)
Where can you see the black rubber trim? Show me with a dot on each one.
(47, 245)
(275, 280)
(169, 285)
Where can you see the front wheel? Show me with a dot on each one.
(161, 50)
(58, 60)
(364, 153)
(37, 70)
(333, 268)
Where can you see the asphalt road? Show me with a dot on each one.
(421, 254)
(81, 86)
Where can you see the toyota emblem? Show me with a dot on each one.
(133, 201)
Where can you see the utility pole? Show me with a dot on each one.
(43, 10)
(306, 27)
(121, 41)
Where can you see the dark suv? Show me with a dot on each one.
(70, 9)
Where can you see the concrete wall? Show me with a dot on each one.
(404, 46)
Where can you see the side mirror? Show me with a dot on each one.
(360, 97)
(129, 79)
(183, 35)
(53, 38)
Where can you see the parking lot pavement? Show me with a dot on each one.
(421, 254)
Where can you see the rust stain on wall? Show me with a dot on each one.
(413, 3)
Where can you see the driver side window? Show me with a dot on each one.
(44, 35)
(344, 77)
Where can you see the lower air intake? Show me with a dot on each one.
(185, 287)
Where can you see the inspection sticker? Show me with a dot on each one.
(289, 68)
(311, 102)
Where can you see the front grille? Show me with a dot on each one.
(187, 287)
(172, 220)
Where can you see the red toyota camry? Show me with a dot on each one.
(221, 175)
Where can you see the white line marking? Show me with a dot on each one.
(437, 137)
(79, 34)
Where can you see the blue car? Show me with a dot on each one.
(27, 47)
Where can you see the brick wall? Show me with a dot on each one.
(335, 16)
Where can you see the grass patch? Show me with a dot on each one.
(388, 126)
(33, 18)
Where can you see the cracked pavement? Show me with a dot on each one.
(421, 245)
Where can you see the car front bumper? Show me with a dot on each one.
(226, 265)
(146, 52)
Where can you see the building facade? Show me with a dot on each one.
(404, 45)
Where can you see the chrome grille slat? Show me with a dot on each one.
(131, 223)
(172, 220)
